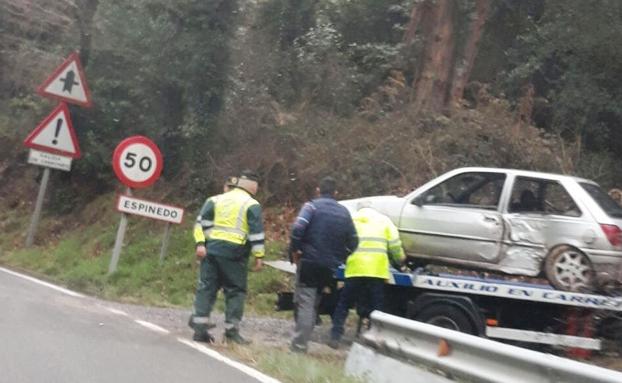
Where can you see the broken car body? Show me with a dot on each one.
(512, 221)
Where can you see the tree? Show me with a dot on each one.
(154, 68)
(571, 57)
(451, 32)
(30, 38)
(84, 14)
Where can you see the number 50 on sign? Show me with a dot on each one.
(137, 162)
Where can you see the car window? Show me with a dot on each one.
(540, 196)
(558, 201)
(480, 190)
(525, 196)
(608, 204)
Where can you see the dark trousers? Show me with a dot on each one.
(311, 279)
(355, 291)
(218, 272)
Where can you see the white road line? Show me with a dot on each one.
(118, 312)
(152, 326)
(205, 350)
(42, 283)
(221, 358)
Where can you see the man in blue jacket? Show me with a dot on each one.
(322, 237)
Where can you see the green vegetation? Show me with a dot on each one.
(295, 368)
(382, 94)
(80, 261)
(298, 89)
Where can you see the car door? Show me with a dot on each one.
(540, 213)
(457, 219)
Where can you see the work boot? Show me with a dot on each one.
(233, 335)
(203, 336)
(333, 343)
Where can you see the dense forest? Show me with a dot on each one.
(382, 94)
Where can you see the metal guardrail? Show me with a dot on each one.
(471, 358)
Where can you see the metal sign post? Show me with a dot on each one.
(154, 210)
(36, 215)
(54, 143)
(165, 241)
(118, 243)
(137, 163)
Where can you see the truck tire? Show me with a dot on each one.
(447, 316)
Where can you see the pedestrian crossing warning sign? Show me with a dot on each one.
(68, 83)
(55, 134)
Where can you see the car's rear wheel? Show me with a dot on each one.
(568, 269)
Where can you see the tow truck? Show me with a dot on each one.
(523, 313)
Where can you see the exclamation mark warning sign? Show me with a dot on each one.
(55, 134)
(59, 124)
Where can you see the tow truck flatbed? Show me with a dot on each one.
(494, 307)
(486, 286)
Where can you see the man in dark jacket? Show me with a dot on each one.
(322, 238)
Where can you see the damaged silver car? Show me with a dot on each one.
(517, 222)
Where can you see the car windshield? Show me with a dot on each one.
(603, 199)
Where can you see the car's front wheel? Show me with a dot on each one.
(569, 269)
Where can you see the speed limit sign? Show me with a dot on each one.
(137, 162)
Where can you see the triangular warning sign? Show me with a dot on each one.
(55, 134)
(68, 83)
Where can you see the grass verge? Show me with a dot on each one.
(295, 368)
(79, 258)
(78, 255)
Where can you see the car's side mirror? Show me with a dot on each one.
(418, 201)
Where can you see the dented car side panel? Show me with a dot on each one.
(498, 239)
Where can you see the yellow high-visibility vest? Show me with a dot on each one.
(378, 239)
(230, 222)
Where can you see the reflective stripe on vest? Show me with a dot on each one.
(370, 259)
(372, 245)
(236, 234)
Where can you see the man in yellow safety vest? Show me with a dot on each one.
(229, 228)
(367, 268)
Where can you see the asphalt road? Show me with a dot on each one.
(49, 336)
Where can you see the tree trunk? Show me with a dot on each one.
(524, 109)
(85, 13)
(463, 68)
(172, 103)
(444, 69)
(413, 24)
(431, 84)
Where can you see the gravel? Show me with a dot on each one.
(262, 330)
(269, 332)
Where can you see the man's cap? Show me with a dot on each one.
(249, 175)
